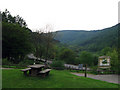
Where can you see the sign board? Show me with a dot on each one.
(80, 66)
(104, 61)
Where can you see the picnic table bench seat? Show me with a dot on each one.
(25, 71)
(45, 72)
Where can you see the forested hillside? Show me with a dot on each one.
(90, 40)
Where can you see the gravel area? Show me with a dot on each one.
(109, 78)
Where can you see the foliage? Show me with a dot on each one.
(94, 69)
(92, 41)
(7, 17)
(86, 58)
(114, 60)
(57, 64)
(22, 64)
(57, 79)
(6, 62)
(49, 43)
(67, 55)
(95, 59)
(37, 38)
(44, 44)
(76, 61)
(15, 42)
(16, 39)
(105, 50)
(25, 63)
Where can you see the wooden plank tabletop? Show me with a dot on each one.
(25, 69)
(36, 66)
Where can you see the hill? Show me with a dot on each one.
(89, 40)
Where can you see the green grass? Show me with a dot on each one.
(14, 78)
(15, 66)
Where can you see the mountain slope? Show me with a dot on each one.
(90, 40)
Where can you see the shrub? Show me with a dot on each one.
(6, 62)
(67, 55)
(94, 69)
(25, 63)
(59, 65)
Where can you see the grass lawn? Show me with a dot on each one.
(14, 78)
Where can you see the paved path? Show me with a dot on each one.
(108, 78)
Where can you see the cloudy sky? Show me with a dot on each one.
(65, 14)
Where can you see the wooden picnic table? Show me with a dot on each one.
(35, 69)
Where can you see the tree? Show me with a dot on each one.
(7, 17)
(86, 58)
(114, 60)
(67, 55)
(105, 50)
(44, 43)
(57, 64)
(38, 39)
(49, 40)
(15, 42)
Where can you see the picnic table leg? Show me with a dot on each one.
(47, 73)
(29, 72)
(25, 73)
(44, 75)
(33, 72)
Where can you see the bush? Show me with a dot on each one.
(67, 55)
(59, 65)
(22, 64)
(94, 69)
(6, 62)
(25, 63)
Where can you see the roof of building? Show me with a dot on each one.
(104, 56)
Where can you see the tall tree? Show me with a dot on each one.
(49, 39)
(15, 39)
(38, 39)
(44, 43)
(7, 17)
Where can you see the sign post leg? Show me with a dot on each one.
(85, 70)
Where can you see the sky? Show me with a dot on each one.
(64, 14)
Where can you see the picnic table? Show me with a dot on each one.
(36, 69)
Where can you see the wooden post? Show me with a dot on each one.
(85, 70)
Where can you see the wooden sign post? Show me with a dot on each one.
(85, 70)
